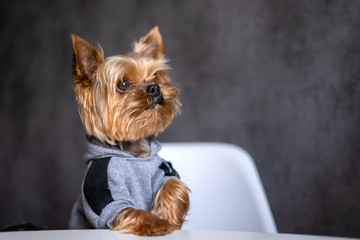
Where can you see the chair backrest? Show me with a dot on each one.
(226, 190)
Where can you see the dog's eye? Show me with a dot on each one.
(124, 85)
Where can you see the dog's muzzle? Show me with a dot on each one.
(154, 94)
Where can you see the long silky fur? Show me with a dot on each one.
(112, 116)
(172, 202)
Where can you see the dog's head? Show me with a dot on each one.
(124, 97)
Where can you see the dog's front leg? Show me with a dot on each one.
(142, 223)
(172, 202)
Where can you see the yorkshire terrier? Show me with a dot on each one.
(124, 102)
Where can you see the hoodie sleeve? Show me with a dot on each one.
(101, 201)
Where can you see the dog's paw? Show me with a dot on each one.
(142, 223)
(153, 227)
(172, 202)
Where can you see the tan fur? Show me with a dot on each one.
(111, 116)
(141, 223)
(172, 202)
(129, 117)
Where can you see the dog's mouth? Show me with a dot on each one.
(153, 102)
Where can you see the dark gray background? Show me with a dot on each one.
(278, 78)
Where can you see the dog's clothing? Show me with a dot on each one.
(116, 180)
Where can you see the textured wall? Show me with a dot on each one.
(279, 78)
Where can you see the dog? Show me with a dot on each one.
(125, 101)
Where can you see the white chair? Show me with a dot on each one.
(226, 190)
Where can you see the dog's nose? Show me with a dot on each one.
(153, 90)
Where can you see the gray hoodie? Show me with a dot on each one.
(116, 180)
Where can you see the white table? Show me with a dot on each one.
(177, 235)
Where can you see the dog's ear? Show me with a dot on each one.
(150, 45)
(86, 59)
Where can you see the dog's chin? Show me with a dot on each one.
(156, 118)
(149, 121)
